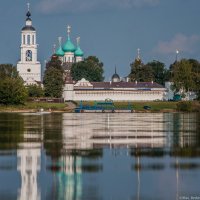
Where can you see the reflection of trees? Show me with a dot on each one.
(53, 135)
(11, 130)
(186, 130)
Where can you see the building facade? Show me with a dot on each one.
(29, 67)
(84, 90)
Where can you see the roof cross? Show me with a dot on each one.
(68, 30)
(60, 40)
(28, 5)
(78, 41)
(138, 53)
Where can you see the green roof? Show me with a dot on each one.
(68, 46)
(79, 52)
(60, 52)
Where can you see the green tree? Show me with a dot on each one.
(54, 78)
(140, 72)
(8, 70)
(182, 76)
(160, 74)
(35, 91)
(91, 69)
(196, 76)
(12, 89)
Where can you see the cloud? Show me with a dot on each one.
(59, 6)
(186, 44)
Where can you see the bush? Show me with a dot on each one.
(184, 106)
(35, 91)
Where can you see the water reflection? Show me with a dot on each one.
(99, 156)
(29, 158)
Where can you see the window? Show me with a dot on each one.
(33, 39)
(24, 39)
(28, 39)
(28, 55)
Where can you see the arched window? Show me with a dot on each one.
(33, 39)
(28, 39)
(24, 41)
(28, 55)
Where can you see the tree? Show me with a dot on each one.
(8, 70)
(196, 76)
(53, 78)
(182, 76)
(35, 91)
(140, 72)
(12, 89)
(91, 69)
(159, 72)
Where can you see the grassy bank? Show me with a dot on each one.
(155, 106)
(34, 106)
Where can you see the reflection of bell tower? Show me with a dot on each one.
(28, 66)
(29, 165)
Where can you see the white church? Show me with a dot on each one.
(29, 69)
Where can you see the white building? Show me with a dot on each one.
(29, 67)
(84, 90)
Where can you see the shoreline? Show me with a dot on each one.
(32, 111)
(120, 107)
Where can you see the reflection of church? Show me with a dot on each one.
(29, 165)
(29, 161)
(70, 178)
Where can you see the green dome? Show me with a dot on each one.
(60, 52)
(68, 46)
(79, 52)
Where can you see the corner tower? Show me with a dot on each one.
(29, 67)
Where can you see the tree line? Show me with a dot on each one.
(185, 74)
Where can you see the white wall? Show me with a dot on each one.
(117, 95)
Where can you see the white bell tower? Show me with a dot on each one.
(28, 66)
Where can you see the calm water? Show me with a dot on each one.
(133, 156)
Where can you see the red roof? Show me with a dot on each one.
(109, 85)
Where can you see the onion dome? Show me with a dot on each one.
(78, 52)
(115, 77)
(68, 46)
(60, 51)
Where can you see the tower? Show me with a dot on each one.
(78, 53)
(69, 48)
(29, 67)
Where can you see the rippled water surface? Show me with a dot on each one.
(70, 156)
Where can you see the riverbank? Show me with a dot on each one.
(35, 107)
(154, 106)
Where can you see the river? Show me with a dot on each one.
(102, 156)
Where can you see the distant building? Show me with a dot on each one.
(117, 91)
(29, 67)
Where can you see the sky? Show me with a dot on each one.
(112, 30)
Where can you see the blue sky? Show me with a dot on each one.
(112, 30)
